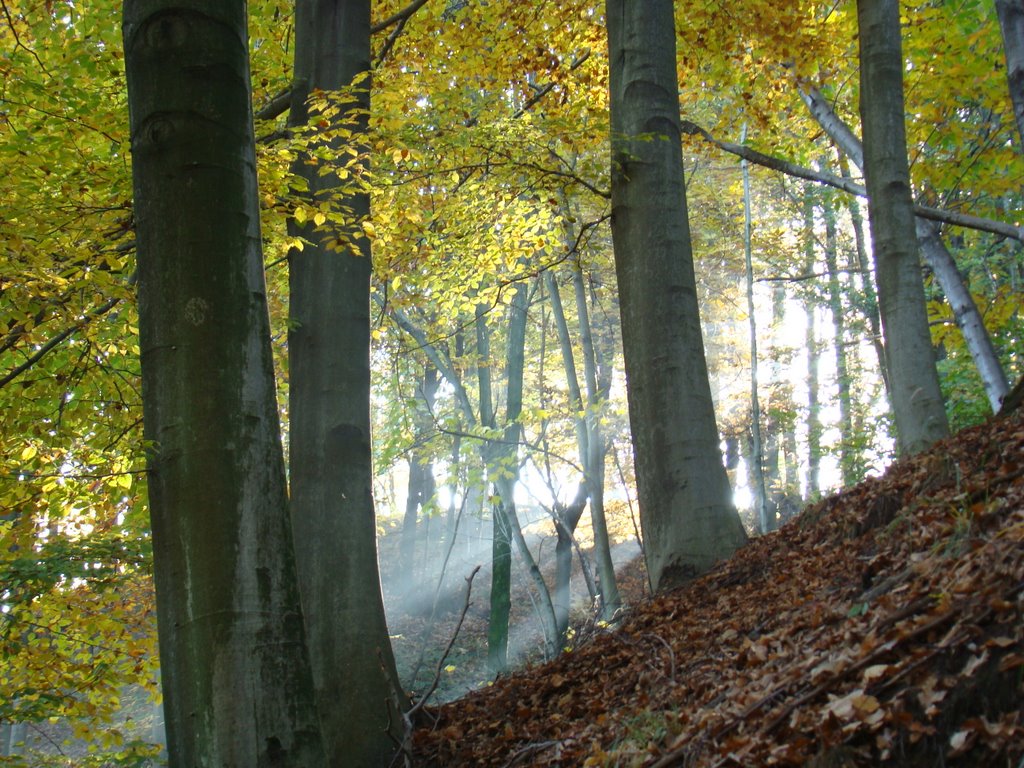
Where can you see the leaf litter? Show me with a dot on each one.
(882, 626)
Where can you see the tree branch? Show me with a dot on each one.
(402, 15)
(791, 169)
(276, 106)
(56, 340)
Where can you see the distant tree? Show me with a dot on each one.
(686, 509)
(237, 684)
(938, 258)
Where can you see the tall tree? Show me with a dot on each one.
(329, 397)
(814, 427)
(757, 453)
(685, 501)
(847, 460)
(916, 397)
(1011, 23)
(421, 486)
(237, 683)
(597, 343)
(501, 457)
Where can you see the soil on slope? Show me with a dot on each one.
(883, 626)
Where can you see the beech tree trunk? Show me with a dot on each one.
(592, 450)
(421, 487)
(916, 397)
(869, 301)
(238, 690)
(597, 372)
(329, 407)
(813, 358)
(1011, 22)
(756, 443)
(965, 312)
(847, 459)
(685, 501)
(567, 516)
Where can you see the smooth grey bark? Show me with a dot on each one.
(1011, 23)
(421, 486)
(756, 443)
(869, 300)
(813, 359)
(237, 684)
(501, 537)
(916, 398)
(936, 255)
(685, 501)
(847, 461)
(965, 313)
(501, 459)
(567, 516)
(592, 449)
(329, 408)
(506, 465)
(597, 374)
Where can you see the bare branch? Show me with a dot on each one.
(56, 340)
(791, 169)
(402, 15)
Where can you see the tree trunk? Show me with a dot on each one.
(1011, 22)
(813, 358)
(756, 443)
(597, 373)
(501, 536)
(685, 501)
(237, 684)
(965, 313)
(501, 460)
(421, 486)
(501, 585)
(847, 461)
(329, 408)
(867, 286)
(567, 517)
(591, 447)
(506, 467)
(772, 476)
(916, 397)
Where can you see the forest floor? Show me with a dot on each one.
(882, 626)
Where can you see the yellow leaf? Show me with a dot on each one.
(300, 214)
(319, 218)
(369, 229)
(29, 452)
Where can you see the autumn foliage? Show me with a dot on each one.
(882, 626)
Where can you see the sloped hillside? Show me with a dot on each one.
(883, 626)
